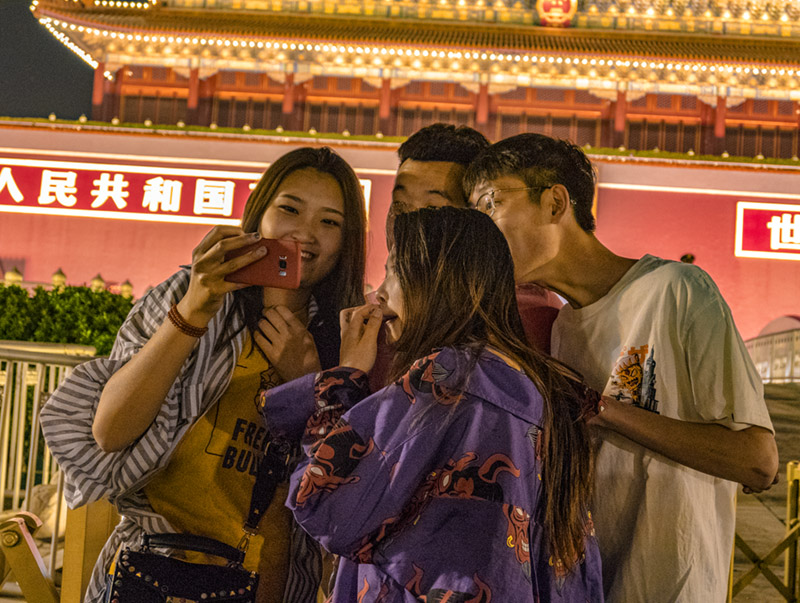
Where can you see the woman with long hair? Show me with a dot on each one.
(168, 427)
(468, 477)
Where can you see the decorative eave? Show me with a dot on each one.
(778, 18)
(502, 56)
(377, 143)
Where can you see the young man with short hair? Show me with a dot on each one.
(683, 417)
(433, 162)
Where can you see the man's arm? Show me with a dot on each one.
(749, 456)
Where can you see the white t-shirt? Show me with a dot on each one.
(663, 339)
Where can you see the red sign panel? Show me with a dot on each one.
(124, 191)
(129, 191)
(768, 230)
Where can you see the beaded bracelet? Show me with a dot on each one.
(184, 327)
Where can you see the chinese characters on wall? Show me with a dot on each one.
(131, 191)
(785, 232)
(168, 194)
(768, 230)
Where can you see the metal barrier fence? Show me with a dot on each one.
(29, 373)
(788, 546)
(31, 488)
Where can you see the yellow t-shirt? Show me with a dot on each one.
(206, 487)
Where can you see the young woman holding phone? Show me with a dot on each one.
(167, 428)
(467, 478)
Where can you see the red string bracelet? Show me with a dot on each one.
(184, 327)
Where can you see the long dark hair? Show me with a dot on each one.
(457, 279)
(343, 287)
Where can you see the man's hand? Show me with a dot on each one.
(753, 490)
(360, 328)
(287, 343)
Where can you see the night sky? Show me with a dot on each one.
(38, 74)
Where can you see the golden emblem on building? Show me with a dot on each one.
(556, 13)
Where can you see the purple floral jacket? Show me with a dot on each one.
(428, 491)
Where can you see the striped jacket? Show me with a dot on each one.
(92, 474)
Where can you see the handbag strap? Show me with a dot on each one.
(272, 470)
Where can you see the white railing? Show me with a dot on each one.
(29, 479)
(777, 356)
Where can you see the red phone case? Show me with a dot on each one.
(279, 268)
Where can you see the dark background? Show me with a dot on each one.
(38, 74)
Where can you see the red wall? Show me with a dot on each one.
(669, 225)
(145, 253)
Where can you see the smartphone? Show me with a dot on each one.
(279, 268)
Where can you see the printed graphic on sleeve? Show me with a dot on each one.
(519, 521)
(331, 392)
(335, 458)
(439, 595)
(380, 597)
(634, 378)
(465, 479)
(425, 376)
(461, 479)
(269, 379)
(457, 479)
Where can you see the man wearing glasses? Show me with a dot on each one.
(682, 419)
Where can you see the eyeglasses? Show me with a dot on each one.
(486, 205)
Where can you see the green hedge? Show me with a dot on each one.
(69, 315)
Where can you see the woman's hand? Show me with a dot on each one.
(360, 328)
(207, 286)
(287, 343)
